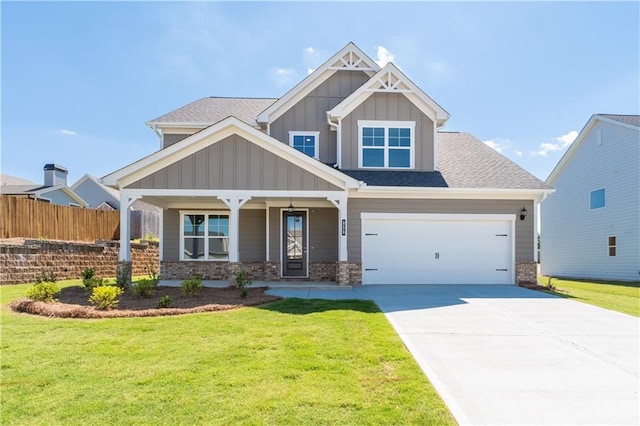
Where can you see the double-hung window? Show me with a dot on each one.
(386, 144)
(204, 236)
(306, 142)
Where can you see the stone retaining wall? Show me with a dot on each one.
(23, 263)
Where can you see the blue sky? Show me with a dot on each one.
(79, 79)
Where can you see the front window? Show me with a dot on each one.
(205, 236)
(305, 142)
(386, 144)
(612, 246)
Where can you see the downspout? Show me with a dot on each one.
(158, 134)
(336, 127)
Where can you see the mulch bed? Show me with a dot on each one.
(73, 303)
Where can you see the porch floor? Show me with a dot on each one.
(326, 285)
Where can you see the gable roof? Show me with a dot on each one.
(39, 191)
(391, 80)
(349, 58)
(213, 134)
(206, 111)
(14, 180)
(464, 162)
(113, 193)
(627, 121)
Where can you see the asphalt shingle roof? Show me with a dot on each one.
(211, 110)
(20, 189)
(628, 119)
(14, 180)
(463, 162)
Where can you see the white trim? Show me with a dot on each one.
(317, 77)
(427, 105)
(386, 125)
(615, 246)
(267, 235)
(535, 230)
(216, 133)
(206, 237)
(402, 192)
(316, 135)
(68, 191)
(306, 248)
(161, 236)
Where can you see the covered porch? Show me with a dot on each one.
(276, 236)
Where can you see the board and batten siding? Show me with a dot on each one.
(322, 238)
(310, 113)
(234, 163)
(574, 238)
(524, 237)
(388, 107)
(252, 235)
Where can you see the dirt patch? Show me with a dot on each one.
(73, 303)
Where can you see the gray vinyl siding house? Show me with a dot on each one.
(596, 238)
(348, 177)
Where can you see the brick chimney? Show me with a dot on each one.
(54, 175)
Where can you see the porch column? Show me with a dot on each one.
(234, 204)
(341, 204)
(124, 269)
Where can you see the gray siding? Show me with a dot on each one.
(59, 197)
(168, 140)
(310, 114)
(323, 234)
(392, 107)
(253, 235)
(94, 195)
(574, 237)
(524, 229)
(171, 234)
(234, 163)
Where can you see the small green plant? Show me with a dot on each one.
(88, 273)
(91, 283)
(123, 277)
(43, 292)
(105, 297)
(153, 273)
(550, 286)
(164, 302)
(191, 286)
(47, 277)
(242, 281)
(143, 287)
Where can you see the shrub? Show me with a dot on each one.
(43, 292)
(164, 302)
(123, 276)
(191, 286)
(143, 287)
(242, 280)
(91, 283)
(105, 297)
(153, 273)
(47, 277)
(88, 273)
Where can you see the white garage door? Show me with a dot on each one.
(437, 249)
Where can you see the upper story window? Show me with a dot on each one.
(306, 142)
(386, 144)
(204, 236)
(597, 199)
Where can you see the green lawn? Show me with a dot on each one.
(291, 362)
(617, 296)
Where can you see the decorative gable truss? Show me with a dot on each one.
(353, 60)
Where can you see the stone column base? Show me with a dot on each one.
(526, 273)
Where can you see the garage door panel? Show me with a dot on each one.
(437, 251)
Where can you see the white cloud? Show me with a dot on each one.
(494, 145)
(310, 70)
(384, 56)
(310, 50)
(284, 76)
(68, 132)
(562, 143)
(518, 153)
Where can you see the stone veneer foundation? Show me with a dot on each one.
(526, 273)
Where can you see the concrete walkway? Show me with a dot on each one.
(504, 355)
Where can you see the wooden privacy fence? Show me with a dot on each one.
(144, 224)
(23, 217)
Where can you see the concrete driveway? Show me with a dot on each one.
(504, 355)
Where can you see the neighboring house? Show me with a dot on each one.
(591, 225)
(54, 190)
(347, 177)
(145, 217)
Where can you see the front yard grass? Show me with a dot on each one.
(614, 295)
(290, 362)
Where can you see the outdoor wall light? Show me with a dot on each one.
(290, 208)
(523, 213)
